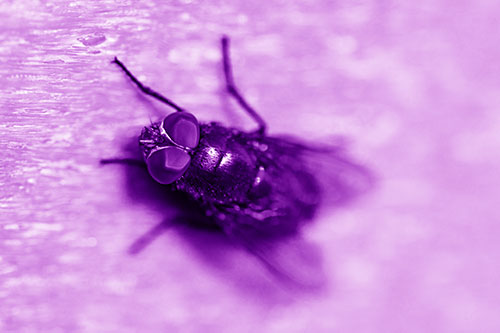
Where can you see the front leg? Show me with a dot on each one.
(126, 160)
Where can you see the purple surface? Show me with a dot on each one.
(413, 87)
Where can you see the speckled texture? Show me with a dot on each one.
(413, 86)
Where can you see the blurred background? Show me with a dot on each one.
(412, 88)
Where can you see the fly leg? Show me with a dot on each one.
(143, 241)
(146, 90)
(127, 161)
(233, 91)
(152, 234)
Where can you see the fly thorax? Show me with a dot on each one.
(223, 165)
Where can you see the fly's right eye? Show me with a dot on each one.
(168, 164)
(183, 129)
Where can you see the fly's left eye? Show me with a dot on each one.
(168, 164)
(183, 129)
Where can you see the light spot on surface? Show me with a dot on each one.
(47, 226)
(242, 19)
(356, 14)
(343, 44)
(212, 54)
(92, 39)
(47, 172)
(37, 229)
(206, 82)
(476, 145)
(6, 268)
(12, 242)
(12, 226)
(69, 258)
(61, 137)
(119, 286)
(189, 55)
(358, 272)
(383, 129)
(185, 16)
(265, 45)
(25, 280)
(410, 192)
(88, 242)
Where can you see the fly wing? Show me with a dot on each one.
(290, 259)
(338, 177)
(293, 180)
(304, 176)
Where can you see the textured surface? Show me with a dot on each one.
(413, 86)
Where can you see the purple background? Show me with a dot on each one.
(413, 87)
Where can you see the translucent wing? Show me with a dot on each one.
(293, 180)
(339, 177)
(290, 258)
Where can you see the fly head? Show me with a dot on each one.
(167, 146)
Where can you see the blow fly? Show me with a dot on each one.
(258, 189)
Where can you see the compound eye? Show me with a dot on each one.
(168, 164)
(183, 129)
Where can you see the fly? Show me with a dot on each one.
(258, 189)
